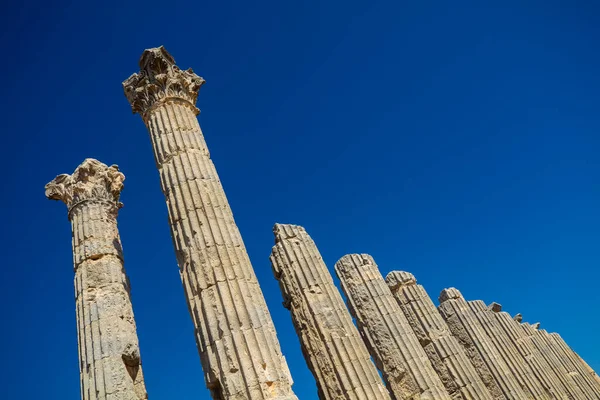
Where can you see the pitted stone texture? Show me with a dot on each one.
(447, 356)
(109, 356)
(508, 350)
(538, 364)
(573, 390)
(466, 328)
(235, 335)
(331, 344)
(397, 353)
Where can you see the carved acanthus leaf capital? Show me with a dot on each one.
(159, 78)
(92, 180)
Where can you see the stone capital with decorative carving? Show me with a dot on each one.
(91, 181)
(159, 80)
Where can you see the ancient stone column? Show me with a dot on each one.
(571, 386)
(109, 354)
(466, 328)
(331, 344)
(406, 369)
(448, 357)
(578, 363)
(530, 353)
(236, 338)
(508, 351)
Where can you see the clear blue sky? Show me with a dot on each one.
(455, 140)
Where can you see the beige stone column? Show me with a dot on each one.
(448, 357)
(331, 344)
(236, 338)
(508, 351)
(530, 353)
(579, 365)
(109, 354)
(393, 345)
(466, 328)
(571, 386)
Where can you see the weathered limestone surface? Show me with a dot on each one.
(466, 328)
(236, 338)
(396, 350)
(531, 354)
(109, 355)
(332, 346)
(595, 376)
(582, 379)
(447, 356)
(573, 391)
(508, 350)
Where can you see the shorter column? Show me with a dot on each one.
(447, 356)
(331, 344)
(397, 353)
(464, 326)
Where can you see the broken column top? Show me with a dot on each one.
(346, 262)
(449, 294)
(159, 79)
(287, 231)
(518, 317)
(396, 279)
(91, 180)
(495, 307)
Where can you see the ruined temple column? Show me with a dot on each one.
(466, 328)
(331, 344)
(508, 351)
(395, 348)
(235, 335)
(460, 377)
(530, 353)
(109, 354)
(580, 366)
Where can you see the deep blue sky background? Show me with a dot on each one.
(455, 140)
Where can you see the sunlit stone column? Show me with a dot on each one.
(508, 351)
(109, 354)
(447, 356)
(530, 353)
(464, 326)
(571, 386)
(395, 348)
(331, 344)
(578, 364)
(236, 338)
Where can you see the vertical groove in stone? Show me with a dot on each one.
(508, 351)
(331, 344)
(464, 326)
(459, 376)
(573, 392)
(581, 378)
(531, 354)
(235, 335)
(109, 356)
(394, 347)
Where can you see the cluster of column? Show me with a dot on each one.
(109, 355)
(458, 350)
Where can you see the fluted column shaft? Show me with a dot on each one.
(464, 326)
(459, 376)
(235, 334)
(532, 356)
(577, 362)
(394, 347)
(109, 355)
(508, 351)
(331, 344)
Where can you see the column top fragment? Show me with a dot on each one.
(450, 294)
(397, 279)
(355, 260)
(495, 307)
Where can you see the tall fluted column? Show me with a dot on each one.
(397, 353)
(109, 355)
(531, 354)
(236, 338)
(578, 363)
(508, 351)
(573, 390)
(448, 357)
(464, 326)
(331, 344)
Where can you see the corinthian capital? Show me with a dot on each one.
(159, 78)
(92, 180)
